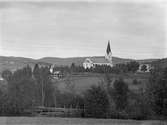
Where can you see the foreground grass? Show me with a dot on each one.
(72, 121)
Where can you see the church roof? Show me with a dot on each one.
(99, 60)
(108, 48)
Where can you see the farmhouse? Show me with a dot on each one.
(92, 61)
(145, 67)
(55, 74)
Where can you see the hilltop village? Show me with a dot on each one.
(104, 63)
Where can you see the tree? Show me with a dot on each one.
(23, 73)
(45, 87)
(7, 74)
(96, 102)
(136, 82)
(69, 100)
(120, 94)
(21, 90)
(36, 72)
(156, 91)
(73, 67)
(133, 66)
(144, 68)
(22, 95)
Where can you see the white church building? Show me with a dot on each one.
(93, 61)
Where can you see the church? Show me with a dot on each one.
(93, 61)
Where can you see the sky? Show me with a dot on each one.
(42, 28)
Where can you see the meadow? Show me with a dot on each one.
(80, 82)
(72, 121)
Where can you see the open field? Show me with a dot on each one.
(82, 81)
(72, 121)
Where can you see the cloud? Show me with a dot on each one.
(82, 29)
(141, 1)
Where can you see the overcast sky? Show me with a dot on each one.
(69, 29)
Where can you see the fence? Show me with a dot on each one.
(51, 111)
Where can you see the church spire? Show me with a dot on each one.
(108, 48)
(108, 55)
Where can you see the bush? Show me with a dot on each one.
(69, 100)
(6, 74)
(136, 82)
(120, 94)
(156, 91)
(138, 107)
(96, 102)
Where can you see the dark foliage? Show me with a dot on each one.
(69, 100)
(96, 102)
(45, 91)
(24, 90)
(156, 91)
(138, 107)
(6, 74)
(136, 82)
(21, 92)
(133, 66)
(120, 94)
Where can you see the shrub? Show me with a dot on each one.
(120, 94)
(136, 82)
(96, 102)
(138, 107)
(156, 91)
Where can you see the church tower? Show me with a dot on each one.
(108, 55)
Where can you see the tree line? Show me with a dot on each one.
(117, 101)
(27, 88)
(131, 66)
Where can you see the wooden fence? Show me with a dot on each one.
(51, 111)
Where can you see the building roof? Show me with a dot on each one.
(108, 48)
(99, 60)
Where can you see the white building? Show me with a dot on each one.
(55, 74)
(93, 61)
(148, 67)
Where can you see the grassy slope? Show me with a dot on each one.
(162, 63)
(82, 82)
(13, 63)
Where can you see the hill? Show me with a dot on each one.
(162, 63)
(13, 63)
(78, 60)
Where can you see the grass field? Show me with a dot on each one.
(83, 81)
(72, 121)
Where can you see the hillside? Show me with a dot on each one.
(63, 61)
(78, 60)
(80, 82)
(162, 63)
(13, 63)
